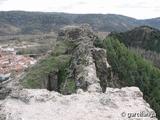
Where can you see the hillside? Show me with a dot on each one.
(133, 70)
(6, 29)
(153, 22)
(144, 37)
(38, 22)
(143, 41)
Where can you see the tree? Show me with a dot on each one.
(133, 70)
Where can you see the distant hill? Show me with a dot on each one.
(6, 29)
(153, 22)
(144, 37)
(39, 22)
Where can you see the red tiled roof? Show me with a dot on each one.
(11, 61)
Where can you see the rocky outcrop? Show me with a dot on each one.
(102, 67)
(4, 92)
(115, 104)
(10, 85)
(89, 66)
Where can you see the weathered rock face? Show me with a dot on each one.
(8, 86)
(73, 33)
(89, 67)
(4, 92)
(114, 104)
(102, 67)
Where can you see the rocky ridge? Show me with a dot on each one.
(88, 65)
(93, 99)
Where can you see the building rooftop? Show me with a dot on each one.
(11, 62)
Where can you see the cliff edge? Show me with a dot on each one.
(115, 104)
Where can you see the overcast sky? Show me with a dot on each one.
(140, 9)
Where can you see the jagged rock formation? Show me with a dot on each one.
(102, 67)
(114, 104)
(88, 66)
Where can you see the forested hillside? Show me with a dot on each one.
(133, 70)
(144, 37)
(39, 22)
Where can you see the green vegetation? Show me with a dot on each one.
(98, 43)
(38, 74)
(58, 60)
(133, 70)
(143, 37)
(149, 55)
(66, 84)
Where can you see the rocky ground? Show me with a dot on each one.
(114, 104)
